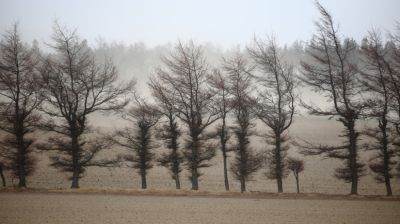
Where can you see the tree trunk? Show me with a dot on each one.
(143, 176)
(176, 162)
(75, 179)
(278, 162)
(75, 159)
(19, 133)
(177, 182)
(386, 171)
(225, 170)
(195, 183)
(297, 183)
(242, 185)
(353, 158)
(387, 184)
(22, 180)
(176, 168)
(21, 158)
(3, 179)
(223, 145)
(21, 170)
(386, 156)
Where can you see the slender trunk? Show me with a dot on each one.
(143, 151)
(225, 170)
(195, 183)
(176, 169)
(223, 146)
(19, 129)
(242, 184)
(278, 161)
(75, 177)
(385, 141)
(243, 162)
(353, 157)
(21, 171)
(22, 180)
(176, 163)
(386, 157)
(3, 179)
(75, 159)
(21, 154)
(386, 163)
(297, 182)
(143, 176)
(177, 182)
(387, 180)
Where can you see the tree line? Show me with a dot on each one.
(197, 109)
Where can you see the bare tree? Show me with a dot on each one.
(246, 161)
(219, 85)
(184, 79)
(3, 179)
(169, 133)
(376, 83)
(333, 72)
(76, 85)
(296, 166)
(138, 139)
(19, 89)
(392, 67)
(276, 103)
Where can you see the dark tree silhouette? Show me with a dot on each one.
(376, 83)
(296, 166)
(20, 98)
(184, 79)
(275, 107)
(219, 85)
(3, 179)
(138, 138)
(333, 72)
(392, 66)
(76, 85)
(169, 133)
(246, 161)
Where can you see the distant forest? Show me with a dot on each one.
(199, 99)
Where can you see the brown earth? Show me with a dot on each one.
(202, 207)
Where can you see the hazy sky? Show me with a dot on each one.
(223, 22)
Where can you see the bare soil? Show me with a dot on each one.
(123, 206)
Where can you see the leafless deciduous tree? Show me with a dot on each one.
(392, 65)
(76, 85)
(376, 83)
(184, 79)
(219, 84)
(138, 139)
(20, 98)
(246, 161)
(275, 107)
(169, 133)
(333, 72)
(296, 166)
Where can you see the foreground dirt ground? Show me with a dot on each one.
(39, 207)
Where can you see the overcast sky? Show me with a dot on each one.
(223, 22)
